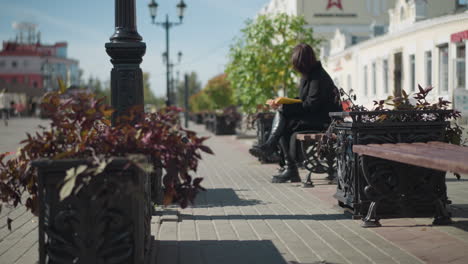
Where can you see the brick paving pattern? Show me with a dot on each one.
(243, 218)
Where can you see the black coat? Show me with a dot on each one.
(319, 96)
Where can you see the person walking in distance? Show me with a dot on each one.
(4, 111)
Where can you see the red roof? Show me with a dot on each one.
(17, 49)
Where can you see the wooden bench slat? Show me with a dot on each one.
(306, 137)
(444, 145)
(425, 149)
(419, 151)
(312, 136)
(456, 161)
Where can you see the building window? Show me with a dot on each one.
(14, 64)
(374, 79)
(34, 84)
(428, 66)
(460, 67)
(462, 3)
(2, 64)
(365, 81)
(443, 68)
(412, 73)
(385, 75)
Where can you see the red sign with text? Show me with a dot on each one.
(332, 3)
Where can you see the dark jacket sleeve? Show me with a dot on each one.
(310, 101)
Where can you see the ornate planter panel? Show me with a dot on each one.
(222, 127)
(264, 123)
(209, 121)
(108, 221)
(199, 119)
(400, 189)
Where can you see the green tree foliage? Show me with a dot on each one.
(149, 97)
(99, 88)
(200, 102)
(194, 86)
(259, 60)
(220, 92)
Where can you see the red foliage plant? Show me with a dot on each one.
(80, 128)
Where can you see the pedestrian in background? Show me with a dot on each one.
(4, 111)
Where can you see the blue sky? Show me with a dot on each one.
(204, 38)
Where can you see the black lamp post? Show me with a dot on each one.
(153, 6)
(173, 89)
(126, 50)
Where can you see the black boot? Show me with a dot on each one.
(270, 146)
(291, 172)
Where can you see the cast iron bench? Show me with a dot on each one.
(310, 142)
(434, 155)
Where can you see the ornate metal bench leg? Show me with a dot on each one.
(442, 216)
(371, 214)
(331, 162)
(308, 183)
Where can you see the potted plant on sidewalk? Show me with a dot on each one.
(89, 181)
(402, 189)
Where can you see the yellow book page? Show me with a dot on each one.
(286, 100)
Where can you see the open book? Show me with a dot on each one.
(286, 100)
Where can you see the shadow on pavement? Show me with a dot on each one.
(214, 252)
(223, 197)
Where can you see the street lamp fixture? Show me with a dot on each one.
(181, 8)
(153, 7)
(179, 56)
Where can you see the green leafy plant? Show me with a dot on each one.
(200, 102)
(418, 101)
(259, 60)
(80, 128)
(220, 92)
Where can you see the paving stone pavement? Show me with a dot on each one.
(243, 218)
(20, 245)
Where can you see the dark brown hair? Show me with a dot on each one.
(303, 58)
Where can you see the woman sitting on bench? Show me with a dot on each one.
(318, 95)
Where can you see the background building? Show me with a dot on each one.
(358, 20)
(426, 45)
(28, 62)
(29, 68)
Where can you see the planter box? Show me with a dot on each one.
(157, 190)
(198, 118)
(208, 120)
(402, 189)
(108, 221)
(263, 123)
(222, 127)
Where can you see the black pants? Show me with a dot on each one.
(293, 127)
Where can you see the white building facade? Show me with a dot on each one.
(358, 19)
(425, 45)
